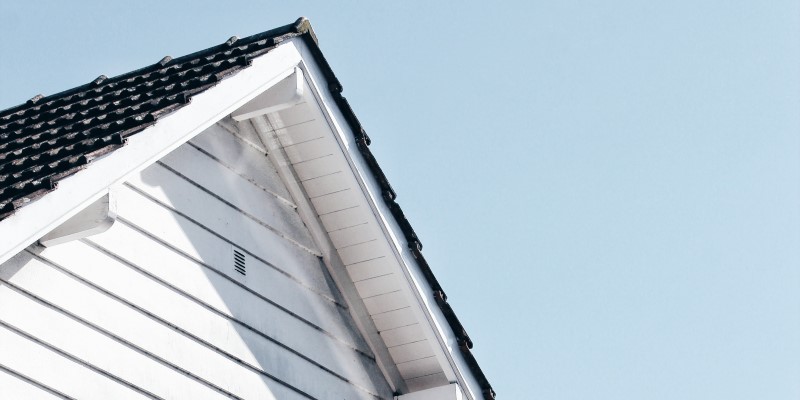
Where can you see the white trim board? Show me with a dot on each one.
(76, 192)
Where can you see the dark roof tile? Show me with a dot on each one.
(38, 136)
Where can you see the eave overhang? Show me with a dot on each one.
(388, 196)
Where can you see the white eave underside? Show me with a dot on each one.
(346, 216)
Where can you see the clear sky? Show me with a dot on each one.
(609, 191)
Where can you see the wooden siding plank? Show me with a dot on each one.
(207, 281)
(235, 154)
(200, 187)
(231, 301)
(16, 386)
(43, 365)
(265, 282)
(85, 343)
(110, 336)
(234, 189)
(200, 241)
(269, 344)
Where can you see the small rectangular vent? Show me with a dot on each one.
(239, 262)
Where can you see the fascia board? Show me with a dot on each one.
(81, 189)
(428, 312)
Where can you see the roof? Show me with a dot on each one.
(49, 138)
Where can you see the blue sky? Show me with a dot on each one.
(609, 191)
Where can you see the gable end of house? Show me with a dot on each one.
(50, 139)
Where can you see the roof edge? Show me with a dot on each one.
(363, 141)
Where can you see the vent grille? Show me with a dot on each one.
(239, 262)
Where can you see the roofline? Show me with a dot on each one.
(302, 29)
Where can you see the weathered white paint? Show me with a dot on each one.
(94, 219)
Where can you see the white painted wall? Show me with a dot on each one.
(155, 307)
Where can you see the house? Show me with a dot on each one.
(214, 226)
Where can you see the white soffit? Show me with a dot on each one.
(319, 149)
(346, 217)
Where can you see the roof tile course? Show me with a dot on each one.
(49, 138)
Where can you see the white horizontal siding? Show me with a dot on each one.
(262, 323)
(198, 214)
(85, 340)
(235, 153)
(154, 308)
(51, 368)
(238, 193)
